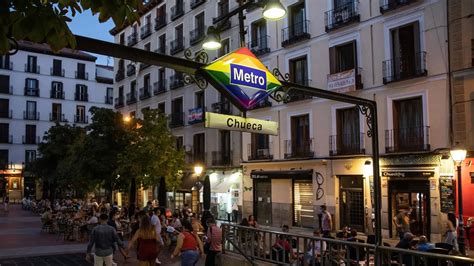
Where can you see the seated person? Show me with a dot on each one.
(423, 244)
(345, 233)
(406, 242)
(352, 236)
(282, 246)
(315, 249)
(47, 217)
(286, 229)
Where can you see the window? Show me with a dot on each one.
(299, 70)
(30, 156)
(81, 93)
(57, 90)
(5, 62)
(133, 87)
(179, 142)
(222, 8)
(57, 68)
(109, 95)
(348, 138)
(4, 108)
(297, 20)
(81, 71)
(300, 144)
(225, 146)
(146, 81)
(31, 87)
(225, 48)
(31, 110)
(122, 38)
(259, 34)
(30, 134)
(343, 57)
(162, 44)
(4, 133)
(56, 112)
(32, 66)
(199, 99)
(5, 84)
(160, 17)
(177, 115)
(162, 107)
(4, 159)
(178, 33)
(199, 148)
(260, 147)
(81, 114)
(120, 94)
(146, 47)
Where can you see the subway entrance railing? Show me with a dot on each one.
(260, 245)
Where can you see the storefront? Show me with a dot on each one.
(226, 192)
(12, 184)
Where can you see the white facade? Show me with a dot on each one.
(24, 106)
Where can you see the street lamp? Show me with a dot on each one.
(212, 40)
(458, 156)
(198, 170)
(274, 10)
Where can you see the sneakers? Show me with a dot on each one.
(157, 261)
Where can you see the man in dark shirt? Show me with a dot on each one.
(104, 238)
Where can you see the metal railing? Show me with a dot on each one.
(177, 10)
(177, 119)
(196, 35)
(32, 92)
(83, 97)
(132, 39)
(407, 139)
(6, 139)
(176, 81)
(223, 107)
(29, 115)
(196, 3)
(6, 90)
(57, 72)
(32, 68)
(145, 31)
(222, 10)
(145, 92)
(177, 45)
(342, 15)
(109, 99)
(256, 152)
(131, 98)
(57, 94)
(404, 67)
(260, 245)
(161, 49)
(160, 21)
(81, 75)
(388, 5)
(131, 70)
(120, 75)
(119, 102)
(296, 32)
(220, 158)
(81, 119)
(57, 117)
(346, 144)
(30, 139)
(6, 113)
(260, 45)
(159, 87)
(299, 149)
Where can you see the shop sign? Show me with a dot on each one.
(237, 123)
(196, 115)
(447, 194)
(343, 81)
(408, 173)
(242, 78)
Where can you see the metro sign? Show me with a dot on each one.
(242, 78)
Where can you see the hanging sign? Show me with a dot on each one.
(242, 78)
(237, 123)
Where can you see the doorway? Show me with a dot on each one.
(303, 208)
(414, 194)
(351, 202)
(263, 201)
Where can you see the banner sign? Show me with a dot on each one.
(196, 115)
(241, 77)
(342, 82)
(237, 123)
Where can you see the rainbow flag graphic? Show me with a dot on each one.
(243, 76)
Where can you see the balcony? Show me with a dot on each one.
(132, 39)
(159, 87)
(57, 94)
(389, 5)
(299, 149)
(161, 49)
(109, 99)
(32, 69)
(177, 119)
(177, 11)
(131, 98)
(196, 115)
(411, 139)
(57, 72)
(260, 46)
(196, 3)
(35, 92)
(81, 119)
(342, 16)
(222, 10)
(120, 75)
(29, 115)
(402, 68)
(176, 81)
(30, 139)
(82, 75)
(196, 36)
(6, 139)
(197, 158)
(144, 93)
(7, 90)
(346, 144)
(119, 102)
(222, 108)
(145, 31)
(160, 21)
(57, 117)
(130, 70)
(256, 152)
(345, 81)
(298, 32)
(6, 114)
(177, 46)
(262, 104)
(6, 65)
(220, 158)
(144, 66)
(83, 97)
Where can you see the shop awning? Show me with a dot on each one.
(285, 174)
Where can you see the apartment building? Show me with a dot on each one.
(38, 89)
(171, 27)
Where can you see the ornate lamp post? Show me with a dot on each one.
(458, 156)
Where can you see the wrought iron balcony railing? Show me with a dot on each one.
(29, 115)
(342, 15)
(297, 32)
(260, 45)
(160, 21)
(132, 39)
(389, 5)
(6, 113)
(299, 148)
(145, 31)
(222, 10)
(159, 87)
(82, 75)
(131, 98)
(7, 139)
(404, 67)
(120, 75)
(221, 158)
(196, 35)
(57, 117)
(176, 81)
(177, 11)
(407, 139)
(177, 45)
(161, 49)
(81, 119)
(196, 3)
(145, 92)
(32, 68)
(131, 70)
(57, 94)
(109, 100)
(83, 97)
(256, 152)
(32, 92)
(346, 144)
(57, 72)
(119, 102)
(177, 119)
(223, 107)
(30, 139)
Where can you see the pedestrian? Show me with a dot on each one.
(402, 222)
(146, 240)
(214, 240)
(189, 245)
(235, 212)
(148, 207)
(103, 237)
(6, 200)
(252, 222)
(326, 221)
(155, 221)
(451, 231)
